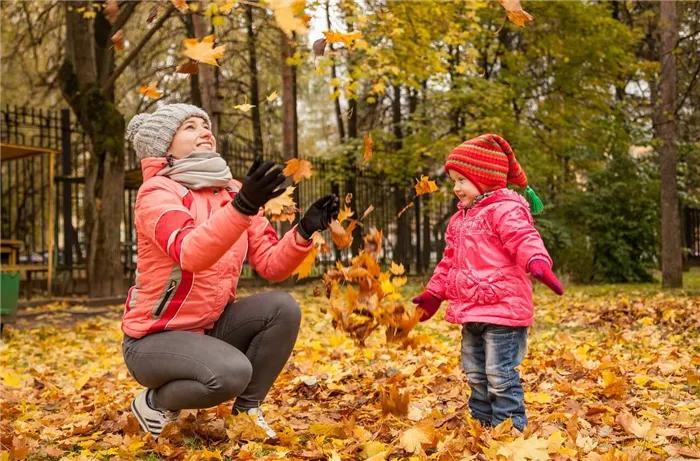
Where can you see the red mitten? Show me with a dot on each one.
(541, 270)
(429, 303)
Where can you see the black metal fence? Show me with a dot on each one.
(25, 190)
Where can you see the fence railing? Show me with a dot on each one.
(416, 239)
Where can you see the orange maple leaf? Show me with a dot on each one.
(298, 169)
(150, 91)
(203, 51)
(342, 237)
(515, 12)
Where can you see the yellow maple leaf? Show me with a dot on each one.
(515, 12)
(150, 91)
(397, 269)
(345, 213)
(285, 12)
(11, 379)
(298, 169)
(272, 96)
(369, 145)
(522, 449)
(541, 397)
(339, 37)
(244, 107)
(226, 5)
(304, 269)
(425, 186)
(412, 440)
(279, 205)
(203, 51)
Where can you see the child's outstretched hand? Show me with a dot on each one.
(429, 303)
(540, 269)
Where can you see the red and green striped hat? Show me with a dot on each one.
(489, 162)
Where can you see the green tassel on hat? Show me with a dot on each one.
(536, 206)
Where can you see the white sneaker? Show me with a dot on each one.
(151, 420)
(260, 421)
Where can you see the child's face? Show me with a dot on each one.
(194, 134)
(464, 189)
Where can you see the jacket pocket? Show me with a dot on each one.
(170, 290)
(482, 289)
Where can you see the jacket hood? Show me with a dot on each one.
(150, 166)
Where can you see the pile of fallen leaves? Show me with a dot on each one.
(608, 376)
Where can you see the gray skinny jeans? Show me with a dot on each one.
(241, 356)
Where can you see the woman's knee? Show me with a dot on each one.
(288, 310)
(229, 380)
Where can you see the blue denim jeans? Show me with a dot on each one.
(490, 354)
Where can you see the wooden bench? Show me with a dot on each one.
(11, 249)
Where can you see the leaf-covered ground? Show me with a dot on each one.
(612, 373)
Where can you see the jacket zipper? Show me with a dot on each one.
(162, 304)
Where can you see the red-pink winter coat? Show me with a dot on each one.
(191, 248)
(483, 273)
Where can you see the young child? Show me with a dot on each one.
(491, 246)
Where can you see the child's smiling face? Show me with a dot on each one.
(464, 189)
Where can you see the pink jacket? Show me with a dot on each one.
(191, 247)
(483, 273)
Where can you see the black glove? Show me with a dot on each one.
(319, 216)
(258, 187)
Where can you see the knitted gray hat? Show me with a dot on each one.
(151, 134)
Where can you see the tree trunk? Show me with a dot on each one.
(667, 132)
(290, 143)
(254, 93)
(208, 81)
(334, 75)
(403, 231)
(80, 78)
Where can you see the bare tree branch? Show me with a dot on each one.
(118, 71)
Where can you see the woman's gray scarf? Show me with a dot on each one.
(198, 170)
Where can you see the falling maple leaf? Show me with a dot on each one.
(272, 96)
(150, 91)
(369, 144)
(342, 237)
(345, 213)
(203, 51)
(118, 40)
(515, 12)
(425, 186)
(181, 5)
(397, 269)
(373, 242)
(282, 208)
(244, 107)
(338, 37)
(319, 47)
(403, 210)
(348, 198)
(188, 67)
(304, 269)
(286, 15)
(369, 210)
(298, 169)
(320, 243)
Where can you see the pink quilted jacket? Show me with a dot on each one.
(483, 273)
(191, 247)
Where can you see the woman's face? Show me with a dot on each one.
(194, 134)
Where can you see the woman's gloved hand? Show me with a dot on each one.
(319, 215)
(259, 187)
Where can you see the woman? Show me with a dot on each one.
(187, 339)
